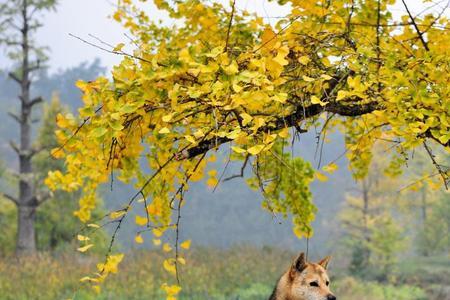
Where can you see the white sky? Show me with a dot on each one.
(84, 17)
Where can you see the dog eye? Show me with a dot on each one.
(327, 283)
(314, 283)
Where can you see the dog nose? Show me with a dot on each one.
(331, 297)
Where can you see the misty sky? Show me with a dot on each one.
(84, 17)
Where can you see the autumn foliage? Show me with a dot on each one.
(221, 76)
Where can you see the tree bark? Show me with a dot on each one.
(26, 236)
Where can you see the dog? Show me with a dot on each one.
(304, 281)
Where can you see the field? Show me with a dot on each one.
(243, 273)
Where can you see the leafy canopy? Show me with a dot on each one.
(218, 75)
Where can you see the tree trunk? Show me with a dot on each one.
(26, 237)
(27, 202)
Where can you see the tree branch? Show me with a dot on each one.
(35, 101)
(41, 198)
(14, 77)
(11, 198)
(15, 117)
(301, 114)
(14, 147)
(424, 43)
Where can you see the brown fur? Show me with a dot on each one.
(295, 283)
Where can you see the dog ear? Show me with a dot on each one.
(300, 262)
(324, 262)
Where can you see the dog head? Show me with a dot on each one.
(310, 281)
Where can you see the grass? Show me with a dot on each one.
(243, 273)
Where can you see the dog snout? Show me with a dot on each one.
(331, 297)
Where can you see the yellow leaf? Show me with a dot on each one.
(186, 244)
(316, 100)
(164, 130)
(167, 118)
(171, 290)
(284, 133)
(157, 242)
(93, 225)
(138, 239)
(141, 221)
(212, 182)
(181, 260)
(237, 149)
(304, 60)
(268, 38)
(82, 238)
(232, 69)
(117, 214)
(341, 95)
(326, 77)
(167, 247)
(169, 266)
(246, 118)
(57, 153)
(157, 232)
(255, 150)
(119, 47)
(331, 168)
(321, 176)
(307, 78)
(85, 248)
(190, 139)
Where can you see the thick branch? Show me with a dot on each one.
(300, 114)
(291, 120)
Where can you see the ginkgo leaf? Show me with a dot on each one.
(316, 100)
(156, 242)
(141, 221)
(169, 266)
(320, 176)
(341, 95)
(157, 232)
(268, 38)
(304, 60)
(212, 182)
(284, 133)
(255, 150)
(164, 130)
(138, 239)
(186, 244)
(167, 247)
(307, 78)
(326, 77)
(119, 47)
(331, 168)
(82, 238)
(167, 118)
(246, 118)
(117, 214)
(232, 69)
(85, 248)
(238, 149)
(181, 260)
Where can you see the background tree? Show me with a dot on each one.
(372, 234)
(19, 20)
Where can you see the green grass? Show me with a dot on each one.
(242, 273)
